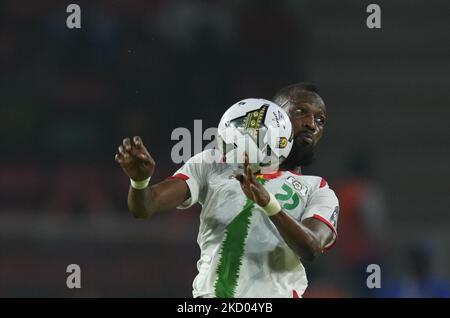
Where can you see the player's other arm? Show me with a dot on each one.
(138, 164)
(307, 239)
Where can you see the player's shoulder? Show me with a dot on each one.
(207, 156)
(207, 160)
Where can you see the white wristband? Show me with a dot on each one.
(139, 185)
(273, 207)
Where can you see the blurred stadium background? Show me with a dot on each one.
(68, 97)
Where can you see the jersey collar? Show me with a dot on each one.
(268, 176)
(276, 174)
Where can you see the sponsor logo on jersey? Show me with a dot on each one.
(302, 189)
(334, 216)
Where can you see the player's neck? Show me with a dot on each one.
(293, 168)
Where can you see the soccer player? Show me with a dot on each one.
(255, 229)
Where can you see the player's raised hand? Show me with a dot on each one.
(135, 159)
(251, 187)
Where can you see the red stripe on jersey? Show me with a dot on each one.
(268, 176)
(321, 218)
(323, 183)
(294, 294)
(181, 176)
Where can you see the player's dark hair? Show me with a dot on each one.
(294, 90)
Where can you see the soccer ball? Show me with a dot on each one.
(259, 127)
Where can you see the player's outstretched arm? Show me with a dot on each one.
(307, 239)
(138, 165)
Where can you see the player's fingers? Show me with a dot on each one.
(145, 151)
(260, 195)
(245, 164)
(137, 141)
(247, 181)
(254, 189)
(126, 143)
(252, 176)
(144, 157)
(239, 177)
(248, 173)
(124, 154)
(121, 159)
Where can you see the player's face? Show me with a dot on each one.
(308, 115)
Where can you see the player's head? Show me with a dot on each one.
(307, 112)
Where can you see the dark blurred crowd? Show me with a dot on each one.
(69, 96)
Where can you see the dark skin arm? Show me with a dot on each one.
(307, 239)
(138, 164)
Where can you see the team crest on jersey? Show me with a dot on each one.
(297, 185)
(334, 216)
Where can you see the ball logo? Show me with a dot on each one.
(255, 118)
(282, 143)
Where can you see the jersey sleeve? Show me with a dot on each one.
(324, 206)
(194, 173)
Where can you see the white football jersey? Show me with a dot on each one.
(242, 252)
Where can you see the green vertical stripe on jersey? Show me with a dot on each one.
(232, 251)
